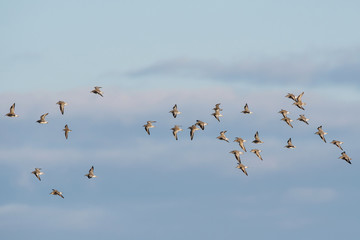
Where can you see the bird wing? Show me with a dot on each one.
(147, 129)
(246, 107)
(12, 109)
(299, 97)
(42, 117)
(62, 108)
(242, 146)
(192, 131)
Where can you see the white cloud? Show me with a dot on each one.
(123, 113)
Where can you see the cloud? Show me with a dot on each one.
(336, 67)
(110, 129)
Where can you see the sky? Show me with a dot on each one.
(148, 56)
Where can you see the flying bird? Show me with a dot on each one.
(56, 192)
(217, 114)
(345, 157)
(288, 121)
(302, 118)
(289, 144)
(37, 173)
(175, 111)
(291, 96)
(300, 104)
(337, 143)
(257, 139)
(201, 124)
(97, 91)
(284, 113)
(217, 107)
(246, 109)
(257, 152)
(222, 136)
(12, 112)
(237, 154)
(42, 119)
(243, 168)
(175, 130)
(298, 98)
(193, 128)
(62, 105)
(149, 125)
(321, 133)
(91, 173)
(66, 130)
(241, 143)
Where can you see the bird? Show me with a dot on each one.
(289, 144)
(175, 111)
(257, 139)
(42, 119)
(291, 96)
(298, 98)
(257, 152)
(175, 130)
(201, 124)
(62, 105)
(241, 143)
(149, 125)
(243, 168)
(288, 121)
(345, 157)
(237, 154)
(217, 107)
(12, 112)
(321, 133)
(337, 143)
(299, 104)
(97, 91)
(193, 128)
(56, 192)
(284, 113)
(66, 130)
(246, 109)
(37, 173)
(217, 114)
(222, 136)
(302, 118)
(91, 173)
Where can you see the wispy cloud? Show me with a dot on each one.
(337, 67)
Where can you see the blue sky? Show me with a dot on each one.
(147, 56)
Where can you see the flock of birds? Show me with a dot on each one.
(217, 114)
(37, 172)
